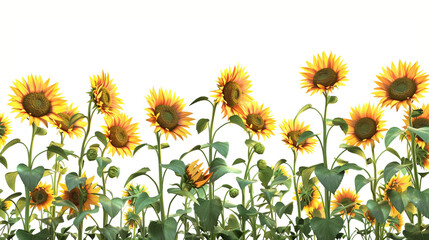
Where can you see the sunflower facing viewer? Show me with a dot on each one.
(76, 129)
(291, 131)
(42, 196)
(258, 119)
(89, 195)
(104, 95)
(4, 129)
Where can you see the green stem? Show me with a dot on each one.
(295, 185)
(374, 190)
(27, 191)
(161, 184)
(82, 150)
(211, 138)
(325, 157)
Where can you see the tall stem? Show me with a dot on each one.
(27, 191)
(161, 184)
(211, 184)
(413, 151)
(374, 190)
(295, 185)
(325, 157)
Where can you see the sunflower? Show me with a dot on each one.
(36, 100)
(258, 119)
(195, 174)
(399, 184)
(103, 93)
(167, 115)
(89, 195)
(418, 122)
(5, 205)
(309, 197)
(319, 211)
(42, 196)
(76, 128)
(132, 219)
(369, 216)
(400, 86)
(281, 171)
(346, 198)
(121, 133)
(4, 129)
(131, 190)
(425, 160)
(324, 74)
(292, 130)
(233, 91)
(365, 125)
(397, 225)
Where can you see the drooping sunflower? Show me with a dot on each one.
(104, 94)
(195, 175)
(131, 190)
(400, 86)
(36, 100)
(4, 129)
(122, 135)
(365, 125)
(397, 225)
(258, 119)
(291, 131)
(5, 205)
(132, 219)
(309, 197)
(346, 198)
(319, 211)
(399, 184)
(167, 115)
(42, 196)
(281, 170)
(76, 128)
(89, 195)
(233, 91)
(418, 122)
(324, 74)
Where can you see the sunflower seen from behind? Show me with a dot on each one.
(42, 196)
(258, 119)
(196, 176)
(89, 195)
(132, 220)
(166, 114)
(400, 86)
(133, 191)
(347, 199)
(36, 100)
(104, 94)
(324, 74)
(418, 122)
(291, 131)
(365, 125)
(309, 197)
(233, 91)
(4, 129)
(76, 128)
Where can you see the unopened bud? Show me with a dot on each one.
(262, 164)
(91, 154)
(113, 172)
(259, 148)
(233, 193)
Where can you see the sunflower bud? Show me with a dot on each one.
(262, 164)
(233, 193)
(113, 172)
(259, 148)
(91, 154)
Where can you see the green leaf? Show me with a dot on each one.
(394, 152)
(304, 136)
(342, 123)
(222, 148)
(102, 162)
(65, 203)
(332, 99)
(281, 209)
(203, 98)
(306, 174)
(330, 179)
(24, 235)
(250, 143)
(140, 172)
(422, 132)
(100, 136)
(399, 200)
(233, 222)
(354, 149)
(30, 177)
(420, 200)
(265, 175)
(111, 206)
(10, 179)
(83, 214)
(3, 161)
(379, 211)
(303, 109)
(163, 230)
(12, 196)
(10, 144)
(202, 125)
(361, 181)
(348, 166)
(412, 232)
(326, 229)
(76, 117)
(391, 134)
(238, 161)
(110, 232)
(237, 120)
(183, 193)
(279, 180)
(391, 169)
(73, 180)
(208, 212)
(53, 149)
(143, 200)
(197, 147)
(243, 183)
(138, 148)
(164, 145)
(269, 193)
(41, 131)
(220, 168)
(176, 166)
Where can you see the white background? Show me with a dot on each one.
(183, 46)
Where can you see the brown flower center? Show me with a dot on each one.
(36, 104)
(105, 96)
(348, 203)
(326, 77)
(365, 128)
(118, 136)
(75, 196)
(402, 89)
(2, 129)
(65, 121)
(294, 136)
(168, 117)
(231, 93)
(39, 196)
(255, 121)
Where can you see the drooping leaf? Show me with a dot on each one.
(176, 166)
(380, 211)
(422, 132)
(391, 169)
(281, 209)
(79, 218)
(304, 136)
(54, 149)
(391, 134)
(243, 183)
(65, 203)
(3, 161)
(163, 230)
(332, 99)
(394, 152)
(341, 123)
(420, 200)
(9, 144)
(220, 168)
(140, 172)
(265, 176)
(222, 148)
(330, 179)
(208, 212)
(361, 181)
(326, 229)
(11, 179)
(238, 161)
(399, 200)
(354, 149)
(138, 148)
(183, 193)
(30, 177)
(202, 124)
(73, 180)
(202, 98)
(303, 109)
(110, 232)
(237, 120)
(143, 200)
(76, 117)
(102, 162)
(111, 206)
(100, 136)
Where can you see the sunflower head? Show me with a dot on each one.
(291, 131)
(5, 205)
(195, 175)
(42, 196)
(316, 212)
(399, 184)
(258, 119)
(348, 199)
(87, 193)
(76, 128)
(4, 129)
(396, 221)
(423, 161)
(281, 171)
(400, 86)
(365, 125)
(36, 100)
(309, 197)
(132, 220)
(166, 114)
(324, 74)
(418, 122)
(131, 190)
(369, 216)
(233, 91)
(121, 133)
(103, 94)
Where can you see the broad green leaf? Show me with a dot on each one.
(326, 229)
(183, 193)
(102, 162)
(265, 176)
(380, 211)
(332, 99)
(143, 200)
(361, 181)
(279, 180)
(281, 209)
(30, 177)
(100, 136)
(76, 117)
(420, 200)
(304, 136)
(330, 179)
(163, 230)
(243, 183)
(3, 161)
(394, 152)
(391, 169)
(202, 98)
(220, 168)
(238, 161)
(422, 132)
(138, 148)
(233, 222)
(65, 203)
(412, 232)
(111, 206)
(269, 193)
(341, 123)
(222, 148)
(83, 214)
(246, 213)
(237, 120)
(140, 172)
(110, 232)
(391, 134)
(53, 149)
(354, 149)
(306, 174)
(399, 200)
(9, 144)
(202, 124)
(24, 235)
(176, 166)
(73, 180)
(348, 166)
(208, 212)
(11, 179)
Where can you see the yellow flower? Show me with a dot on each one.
(121, 133)
(5, 205)
(319, 211)
(397, 226)
(399, 184)
(132, 219)
(167, 115)
(309, 197)
(76, 128)
(400, 86)
(131, 190)
(36, 100)
(89, 195)
(368, 215)
(4, 129)
(196, 176)
(258, 119)
(281, 170)
(346, 198)
(418, 122)
(365, 125)
(324, 74)
(233, 91)
(104, 94)
(425, 161)
(42, 196)
(292, 130)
